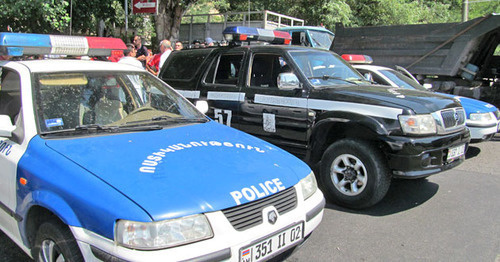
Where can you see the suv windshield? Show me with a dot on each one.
(325, 68)
(322, 40)
(76, 101)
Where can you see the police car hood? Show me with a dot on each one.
(473, 105)
(185, 170)
(420, 102)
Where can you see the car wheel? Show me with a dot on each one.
(55, 243)
(354, 174)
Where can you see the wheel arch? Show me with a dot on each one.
(341, 125)
(41, 206)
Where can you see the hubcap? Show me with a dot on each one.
(348, 174)
(50, 252)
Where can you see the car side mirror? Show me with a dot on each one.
(6, 126)
(202, 106)
(288, 81)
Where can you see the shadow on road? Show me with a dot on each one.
(10, 252)
(402, 195)
(472, 152)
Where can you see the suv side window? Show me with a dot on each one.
(266, 68)
(225, 70)
(185, 65)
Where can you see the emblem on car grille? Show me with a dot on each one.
(272, 217)
(457, 117)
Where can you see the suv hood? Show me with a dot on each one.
(420, 102)
(185, 170)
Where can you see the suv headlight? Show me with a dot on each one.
(418, 124)
(162, 234)
(481, 118)
(308, 185)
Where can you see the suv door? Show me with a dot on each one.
(220, 86)
(269, 112)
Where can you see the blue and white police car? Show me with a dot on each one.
(103, 161)
(483, 119)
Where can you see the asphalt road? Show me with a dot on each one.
(452, 216)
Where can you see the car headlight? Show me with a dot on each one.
(162, 234)
(418, 124)
(481, 118)
(308, 185)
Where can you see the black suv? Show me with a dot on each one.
(355, 135)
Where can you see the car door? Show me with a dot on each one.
(11, 147)
(279, 116)
(220, 86)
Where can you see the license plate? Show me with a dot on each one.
(455, 152)
(272, 245)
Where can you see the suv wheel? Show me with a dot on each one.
(354, 174)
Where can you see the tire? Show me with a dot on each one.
(354, 174)
(54, 243)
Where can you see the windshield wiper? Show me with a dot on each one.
(96, 127)
(179, 119)
(327, 77)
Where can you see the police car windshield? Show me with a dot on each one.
(324, 69)
(69, 101)
(402, 80)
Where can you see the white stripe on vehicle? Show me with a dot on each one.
(189, 94)
(226, 96)
(318, 104)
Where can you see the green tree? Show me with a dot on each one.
(35, 16)
(168, 20)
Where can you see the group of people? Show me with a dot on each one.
(138, 55)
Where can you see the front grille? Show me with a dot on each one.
(250, 214)
(453, 117)
(497, 114)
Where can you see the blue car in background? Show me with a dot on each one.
(482, 118)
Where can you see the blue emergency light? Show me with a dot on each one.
(247, 34)
(18, 44)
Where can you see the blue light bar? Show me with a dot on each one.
(17, 44)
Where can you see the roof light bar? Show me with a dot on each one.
(357, 59)
(18, 44)
(241, 33)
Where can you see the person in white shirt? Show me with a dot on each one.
(129, 57)
(168, 49)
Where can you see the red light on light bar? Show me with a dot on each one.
(357, 59)
(287, 41)
(243, 37)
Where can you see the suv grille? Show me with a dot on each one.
(453, 117)
(250, 214)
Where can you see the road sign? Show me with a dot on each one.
(144, 6)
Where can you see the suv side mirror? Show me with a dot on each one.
(288, 81)
(6, 126)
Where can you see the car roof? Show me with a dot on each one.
(371, 67)
(71, 65)
(312, 28)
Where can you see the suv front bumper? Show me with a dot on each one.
(416, 157)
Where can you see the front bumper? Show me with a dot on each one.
(415, 157)
(225, 245)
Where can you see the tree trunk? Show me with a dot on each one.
(168, 21)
